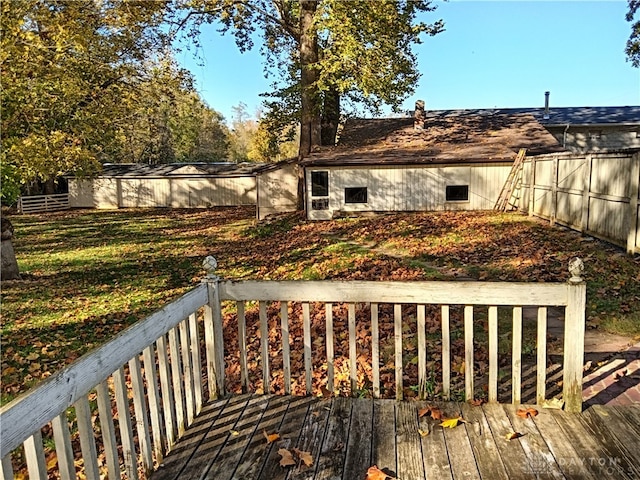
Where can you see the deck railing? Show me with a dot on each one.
(151, 377)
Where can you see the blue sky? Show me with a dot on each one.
(492, 54)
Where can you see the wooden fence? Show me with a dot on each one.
(43, 203)
(596, 194)
(150, 376)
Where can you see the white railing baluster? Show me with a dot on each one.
(375, 351)
(242, 345)
(168, 404)
(187, 370)
(151, 375)
(64, 450)
(105, 412)
(541, 351)
(493, 354)
(353, 355)
(87, 440)
(468, 352)
(328, 309)
(446, 353)
(196, 364)
(516, 358)
(422, 353)
(34, 453)
(306, 329)
(177, 380)
(264, 342)
(140, 411)
(124, 422)
(286, 355)
(397, 335)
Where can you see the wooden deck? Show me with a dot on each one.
(346, 436)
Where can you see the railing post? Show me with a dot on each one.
(214, 340)
(574, 326)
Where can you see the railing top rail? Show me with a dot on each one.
(446, 293)
(21, 417)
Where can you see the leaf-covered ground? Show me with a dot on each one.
(87, 275)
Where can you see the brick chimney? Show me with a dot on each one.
(419, 116)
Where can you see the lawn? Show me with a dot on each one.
(87, 274)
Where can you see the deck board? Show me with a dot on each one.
(346, 436)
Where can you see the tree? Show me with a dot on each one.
(70, 73)
(633, 44)
(327, 50)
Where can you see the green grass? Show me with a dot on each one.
(88, 275)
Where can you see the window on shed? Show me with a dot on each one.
(355, 195)
(319, 184)
(457, 193)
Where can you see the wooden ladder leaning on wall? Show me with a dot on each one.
(515, 175)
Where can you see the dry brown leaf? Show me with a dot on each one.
(476, 402)
(271, 437)
(436, 413)
(374, 473)
(424, 411)
(287, 458)
(512, 435)
(306, 457)
(526, 413)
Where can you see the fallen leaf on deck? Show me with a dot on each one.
(287, 458)
(529, 412)
(271, 437)
(306, 457)
(451, 422)
(556, 403)
(476, 402)
(423, 433)
(374, 473)
(435, 412)
(512, 435)
(234, 432)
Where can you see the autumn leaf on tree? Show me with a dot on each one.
(287, 458)
(525, 413)
(270, 437)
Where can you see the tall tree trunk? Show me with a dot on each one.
(309, 117)
(330, 117)
(9, 266)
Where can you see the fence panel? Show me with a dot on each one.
(43, 203)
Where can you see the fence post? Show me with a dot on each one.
(633, 203)
(532, 186)
(586, 194)
(554, 193)
(574, 325)
(213, 335)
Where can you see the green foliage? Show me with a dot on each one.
(633, 44)
(358, 50)
(86, 82)
(10, 184)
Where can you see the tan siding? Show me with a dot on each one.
(144, 192)
(277, 191)
(106, 193)
(80, 193)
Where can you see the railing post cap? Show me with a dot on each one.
(210, 264)
(576, 268)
